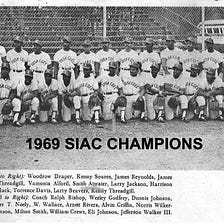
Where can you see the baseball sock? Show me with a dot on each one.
(184, 113)
(16, 116)
(96, 115)
(54, 114)
(122, 114)
(160, 113)
(77, 114)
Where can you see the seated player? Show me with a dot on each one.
(7, 93)
(174, 87)
(48, 92)
(153, 91)
(133, 90)
(111, 87)
(211, 88)
(66, 97)
(27, 96)
(88, 102)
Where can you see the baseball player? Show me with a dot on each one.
(211, 88)
(38, 62)
(191, 55)
(2, 55)
(148, 57)
(174, 86)
(211, 58)
(66, 91)
(86, 87)
(126, 57)
(7, 93)
(103, 57)
(17, 58)
(153, 89)
(65, 59)
(170, 55)
(27, 96)
(111, 87)
(133, 89)
(48, 91)
(87, 56)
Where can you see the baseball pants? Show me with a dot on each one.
(17, 76)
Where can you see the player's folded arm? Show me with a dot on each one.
(52, 95)
(168, 88)
(217, 91)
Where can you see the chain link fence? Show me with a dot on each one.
(49, 24)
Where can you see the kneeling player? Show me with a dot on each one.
(48, 91)
(211, 88)
(27, 96)
(133, 90)
(111, 87)
(174, 86)
(88, 101)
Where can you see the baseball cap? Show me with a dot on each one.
(18, 39)
(178, 66)
(5, 64)
(29, 73)
(37, 42)
(209, 40)
(170, 38)
(67, 39)
(48, 71)
(149, 41)
(86, 43)
(105, 40)
(135, 65)
(211, 71)
(67, 73)
(155, 65)
(128, 40)
(87, 66)
(193, 67)
(191, 39)
(112, 64)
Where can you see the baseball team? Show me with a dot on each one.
(150, 85)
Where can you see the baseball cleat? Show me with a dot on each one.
(161, 119)
(32, 120)
(220, 118)
(78, 121)
(123, 121)
(184, 119)
(54, 121)
(202, 118)
(17, 124)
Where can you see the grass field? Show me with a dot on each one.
(14, 152)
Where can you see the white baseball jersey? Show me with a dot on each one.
(62, 89)
(192, 84)
(155, 82)
(86, 85)
(39, 62)
(190, 57)
(65, 59)
(172, 56)
(24, 90)
(147, 59)
(211, 59)
(127, 58)
(132, 84)
(5, 88)
(177, 84)
(2, 54)
(216, 84)
(104, 57)
(44, 88)
(86, 58)
(110, 84)
(17, 60)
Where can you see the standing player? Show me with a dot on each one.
(126, 57)
(38, 62)
(170, 55)
(65, 59)
(212, 58)
(111, 87)
(133, 89)
(17, 58)
(87, 56)
(2, 55)
(148, 57)
(87, 86)
(27, 95)
(48, 91)
(103, 57)
(191, 55)
(174, 86)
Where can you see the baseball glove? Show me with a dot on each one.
(148, 88)
(139, 104)
(192, 104)
(7, 108)
(173, 102)
(94, 100)
(25, 107)
(213, 105)
(159, 102)
(68, 103)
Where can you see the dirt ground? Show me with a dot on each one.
(14, 152)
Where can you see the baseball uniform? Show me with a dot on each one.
(2, 54)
